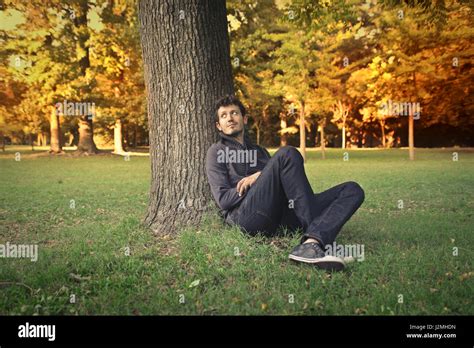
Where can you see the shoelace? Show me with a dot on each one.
(317, 248)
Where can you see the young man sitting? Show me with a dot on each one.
(259, 193)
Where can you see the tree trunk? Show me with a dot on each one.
(54, 126)
(382, 126)
(41, 139)
(2, 141)
(302, 132)
(31, 142)
(86, 133)
(74, 136)
(411, 137)
(187, 68)
(283, 125)
(71, 139)
(257, 127)
(411, 125)
(118, 148)
(343, 136)
(323, 141)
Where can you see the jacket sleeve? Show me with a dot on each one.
(266, 152)
(225, 195)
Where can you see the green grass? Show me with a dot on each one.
(408, 251)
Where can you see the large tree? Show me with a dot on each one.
(185, 49)
(38, 62)
(79, 26)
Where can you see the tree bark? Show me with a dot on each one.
(302, 132)
(187, 68)
(54, 127)
(86, 134)
(86, 141)
(382, 126)
(411, 126)
(283, 125)
(343, 135)
(41, 139)
(74, 136)
(411, 137)
(323, 140)
(2, 141)
(257, 127)
(118, 148)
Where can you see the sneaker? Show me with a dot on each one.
(313, 254)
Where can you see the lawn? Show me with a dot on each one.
(96, 258)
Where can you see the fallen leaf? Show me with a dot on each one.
(465, 276)
(195, 283)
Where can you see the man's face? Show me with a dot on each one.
(231, 121)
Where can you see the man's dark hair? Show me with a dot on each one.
(226, 101)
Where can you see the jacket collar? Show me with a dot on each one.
(247, 142)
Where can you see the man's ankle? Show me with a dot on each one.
(310, 240)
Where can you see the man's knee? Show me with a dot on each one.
(356, 190)
(289, 152)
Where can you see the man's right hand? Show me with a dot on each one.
(244, 184)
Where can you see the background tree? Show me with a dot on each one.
(359, 54)
(37, 57)
(294, 65)
(118, 64)
(249, 24)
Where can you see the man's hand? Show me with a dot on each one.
(244, 184)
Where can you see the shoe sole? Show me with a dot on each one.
(330, 263)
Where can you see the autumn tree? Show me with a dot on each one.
(295, 64)
(115, 56)
(38, 60)
(249, 24)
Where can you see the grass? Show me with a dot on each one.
(216, 269)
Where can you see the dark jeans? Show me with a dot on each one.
(282, 196)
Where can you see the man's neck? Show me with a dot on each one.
(239, 138)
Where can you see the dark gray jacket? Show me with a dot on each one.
(224, 171)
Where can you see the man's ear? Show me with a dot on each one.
(218, 126)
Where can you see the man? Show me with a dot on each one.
(259, 193)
